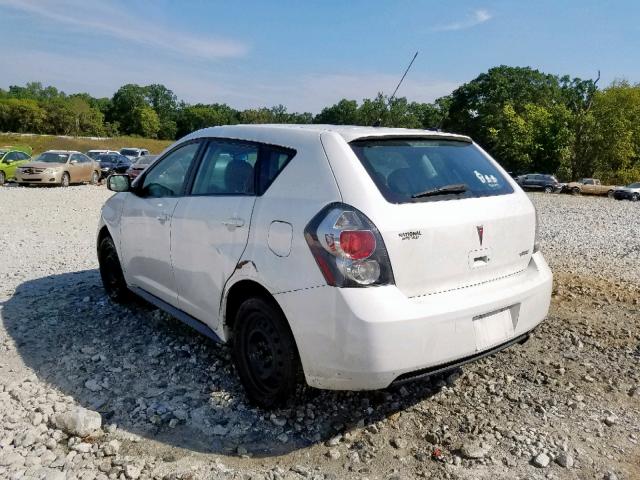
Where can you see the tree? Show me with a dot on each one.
(125, 102)
(345, 112)
(146, 122)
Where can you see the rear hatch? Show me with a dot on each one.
(449, 217)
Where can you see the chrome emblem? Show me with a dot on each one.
(480, 230)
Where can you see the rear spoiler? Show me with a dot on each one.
(421, 136)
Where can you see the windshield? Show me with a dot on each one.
(49, 157)
(403, 169)
(146, 160)
(129, 152)
(634, 185)
(94, 155)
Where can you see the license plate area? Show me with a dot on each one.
(495, 327)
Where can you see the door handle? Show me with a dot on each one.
(162, 218)
(234, 222)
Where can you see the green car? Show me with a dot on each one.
(10, 159)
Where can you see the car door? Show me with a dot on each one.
(9, 164)
(146, 223)
(210, 227)
(75, 168)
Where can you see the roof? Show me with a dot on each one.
(348, 132)
(61, 151)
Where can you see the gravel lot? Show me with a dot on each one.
(564, 405)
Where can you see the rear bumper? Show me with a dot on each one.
(367, 338)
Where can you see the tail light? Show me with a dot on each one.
(348, 248)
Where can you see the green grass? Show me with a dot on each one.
(41, 143)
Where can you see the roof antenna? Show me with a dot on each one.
(379, 121)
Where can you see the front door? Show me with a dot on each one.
(146, 223)
(210, 227)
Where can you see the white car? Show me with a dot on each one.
(133, 153)
(351, 257)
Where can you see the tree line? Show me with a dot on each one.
(528, 120)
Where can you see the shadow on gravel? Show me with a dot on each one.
(155, 377)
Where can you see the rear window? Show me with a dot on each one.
(405, 169)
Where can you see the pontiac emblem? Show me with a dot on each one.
(480, 230)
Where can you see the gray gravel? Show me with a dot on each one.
(590, 235)
(92, 390)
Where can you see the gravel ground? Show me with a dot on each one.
(89, 389)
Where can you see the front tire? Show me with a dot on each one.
(575, 191)
(635, 197)
(111, 271)
(64, 181)
(95, 178)
(610, 194)
(3, 178)
(548, 189)
(265, 354)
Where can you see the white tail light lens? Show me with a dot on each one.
(348, 248)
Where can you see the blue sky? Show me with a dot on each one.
(308, 54)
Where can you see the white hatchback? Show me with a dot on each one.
(350, 257)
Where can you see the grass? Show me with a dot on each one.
(41, 143)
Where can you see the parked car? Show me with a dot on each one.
(539, 182)
(59, 167)
(589, 186)
(141, 165)
(630, 192)
(10, 159)
(112, 163)
(94, 153)
(353, 257)
(133, 153)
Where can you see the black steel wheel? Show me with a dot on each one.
(265, 354)
(111, 271)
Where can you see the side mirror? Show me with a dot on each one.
(73, 162)
(119, 183)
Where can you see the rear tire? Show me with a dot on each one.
(635, 197)
(64, 181)
(548, 189)
(111, 272)
(265, 354)
(575, 191)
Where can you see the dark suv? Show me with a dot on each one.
(539, 181)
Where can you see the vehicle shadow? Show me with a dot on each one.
(157, 378)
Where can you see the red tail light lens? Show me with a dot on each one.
(357, 244)
(348, 248)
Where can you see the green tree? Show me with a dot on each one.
(146, 122)
(125, 102)
(345, 112)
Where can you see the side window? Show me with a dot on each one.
(271, 164)
(167, 177)
(24, 156)
(227, 168)
(11, 156)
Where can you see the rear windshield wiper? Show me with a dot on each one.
(445, 190)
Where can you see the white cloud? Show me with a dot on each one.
(476, 18)
(104, 19)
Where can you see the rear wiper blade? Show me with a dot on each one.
(445, 190)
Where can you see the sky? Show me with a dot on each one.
(308, 54)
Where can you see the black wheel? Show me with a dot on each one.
(635, 197)
(610, 194)
(111, 271)
(3, 178)
(95, 178)
(548, 189)
(265, 354)
(64, 181)
(575, 191)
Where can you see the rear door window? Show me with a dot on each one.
(272, 162)
(404, 169)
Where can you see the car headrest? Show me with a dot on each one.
(238, 177)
